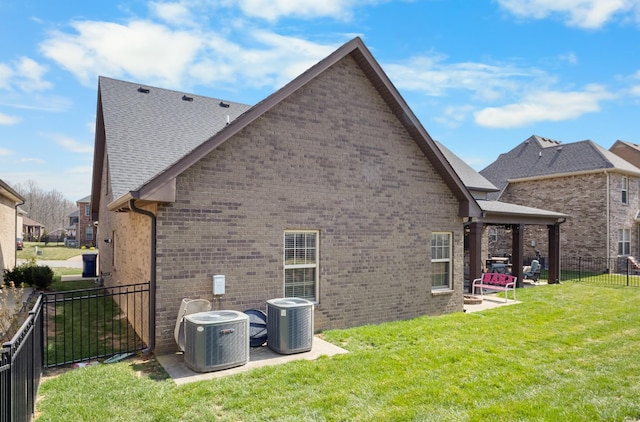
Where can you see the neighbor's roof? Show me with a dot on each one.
(143, 129)
(26, 221)
(538, 156)
(86, 199)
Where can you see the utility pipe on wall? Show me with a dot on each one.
(152, 281)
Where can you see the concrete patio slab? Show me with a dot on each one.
(258, 357)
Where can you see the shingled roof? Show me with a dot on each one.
(147, 129)
(473, 180)
(153, 135)
(538, 156)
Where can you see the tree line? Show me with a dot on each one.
(49, 208)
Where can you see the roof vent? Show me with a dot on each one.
(185, 98)
(222, 104)
(559, 149)
(143, 90)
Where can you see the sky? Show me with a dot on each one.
(480, 75)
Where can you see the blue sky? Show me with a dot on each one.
(481, 75)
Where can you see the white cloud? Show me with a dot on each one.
(589, 14)
(30, 75)
(158, 55)
(544, 106)
(5, 76)
(144, 50)
(28, 160)
(454, 116)
(308, 9)
(432, 76)
(71, 144)
(25, 74)
(5, 152)
(6, 120)
(173, 13)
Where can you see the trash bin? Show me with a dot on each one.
(89, 265)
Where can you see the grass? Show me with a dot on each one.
(51, 251)
(568, 352)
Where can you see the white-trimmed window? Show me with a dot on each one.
(624, 242)
(89, 233)
(625, 190)
(87, 210)
(441, 260)
(301, 264)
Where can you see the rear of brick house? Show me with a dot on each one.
(333, 169)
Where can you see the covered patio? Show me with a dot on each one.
(499, 213)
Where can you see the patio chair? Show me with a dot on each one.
(532, 272)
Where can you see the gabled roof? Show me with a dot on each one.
(538, 157)
(147, 129)
(86, 199)
(203, 130)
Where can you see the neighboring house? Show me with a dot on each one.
(86, 232)
(495, 216)
(596, 188)
(627, 150)
(32, 229)
(73, 219)
(330, 189)
(9, 203)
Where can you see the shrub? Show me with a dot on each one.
(30, 274)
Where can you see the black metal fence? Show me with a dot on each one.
(87, 324)
(613, 271)
(69, 327)
(21, 368)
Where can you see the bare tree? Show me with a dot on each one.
(51, 208)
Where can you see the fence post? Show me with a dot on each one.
(627, 261)
(579, 268)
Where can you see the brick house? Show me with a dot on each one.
(85, 233)
(599, 191)
(9, 203)
(329, 189)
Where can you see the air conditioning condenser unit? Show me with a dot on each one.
(216, 340)
(289, 325)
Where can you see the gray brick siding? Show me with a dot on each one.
(333, 158)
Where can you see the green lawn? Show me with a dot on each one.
(569, 352)
(52, 251)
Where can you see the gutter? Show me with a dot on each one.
(152, 281)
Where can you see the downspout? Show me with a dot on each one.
(15, 232)
(608, 243)
(152, 281)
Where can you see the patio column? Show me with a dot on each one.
(475, 252)
(554, 253)
(517, 251)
